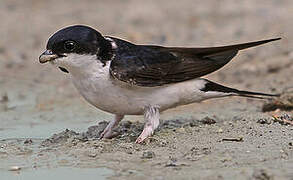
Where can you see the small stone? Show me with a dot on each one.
(93, 155)
(171, 164)
(14, 168)
(220, 130)
(129, 152)
(28, 141)
(4, 98)
(148, 155)
(262, 174)
(264, 121)
(208, 120)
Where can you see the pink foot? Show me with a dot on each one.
(152, 118)
(147, 131)
(108, 131)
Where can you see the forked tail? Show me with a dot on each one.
(214, 87)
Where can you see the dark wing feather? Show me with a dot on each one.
(156, 65)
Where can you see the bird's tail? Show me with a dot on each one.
(214, 87)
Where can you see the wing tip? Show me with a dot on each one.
(256, 43)
(272, 39)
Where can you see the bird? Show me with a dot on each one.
(123, 78)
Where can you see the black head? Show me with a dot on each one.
(80, 40)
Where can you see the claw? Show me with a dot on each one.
(147, 131)
(108, 131)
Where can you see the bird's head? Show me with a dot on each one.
(76, 46)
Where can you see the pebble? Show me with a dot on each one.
(208, 120)
(14, 168)
(264, 121)
(28, 141)
(148, 155)
(262, 174)
(93, 155)
(220, 130)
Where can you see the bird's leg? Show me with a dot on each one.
(107, 133)
(152, 118)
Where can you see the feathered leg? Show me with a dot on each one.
(152, 118)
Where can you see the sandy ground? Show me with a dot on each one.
(229, 138)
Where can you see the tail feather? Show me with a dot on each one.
(211, 86)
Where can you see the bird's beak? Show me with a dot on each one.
(46, 56)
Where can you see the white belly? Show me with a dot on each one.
(117, 97)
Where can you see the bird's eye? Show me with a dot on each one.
(69, 45)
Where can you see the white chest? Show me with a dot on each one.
(98, 89)
(96, 85)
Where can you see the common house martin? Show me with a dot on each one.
(123, 78)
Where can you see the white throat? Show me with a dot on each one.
(83, 65)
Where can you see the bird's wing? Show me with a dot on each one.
(150, 66)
